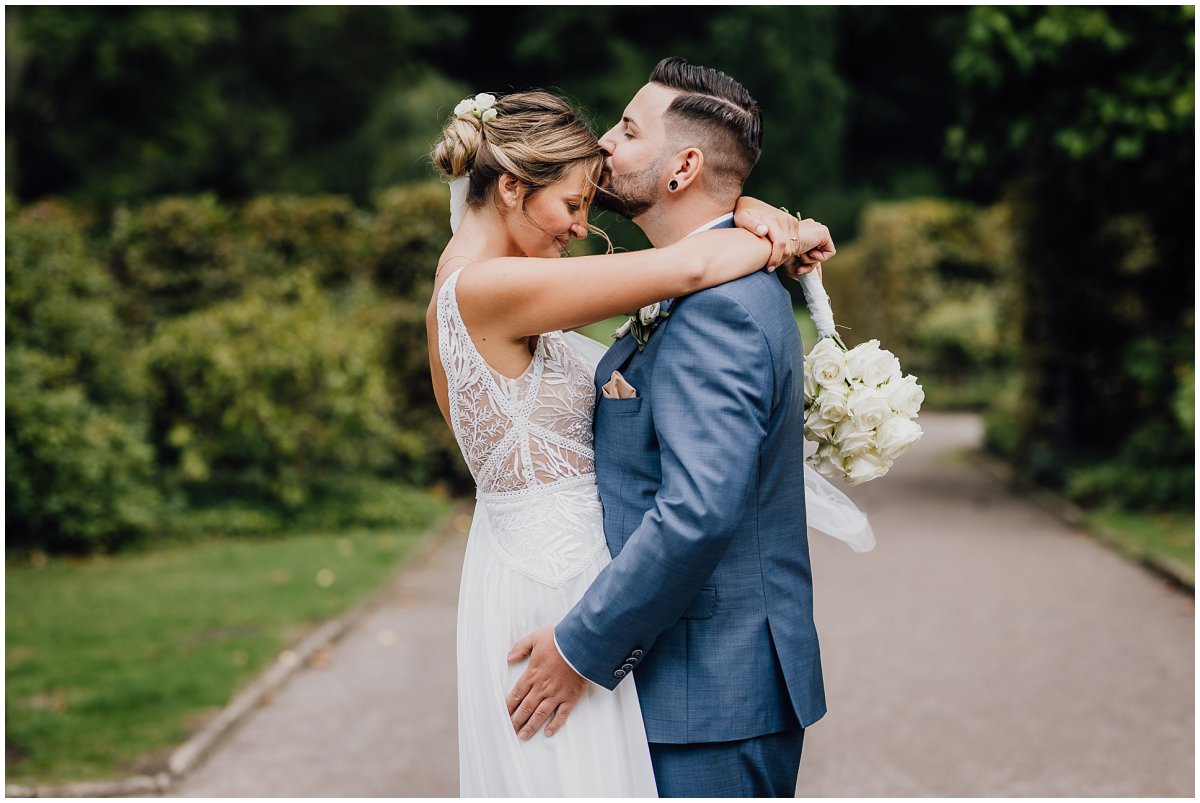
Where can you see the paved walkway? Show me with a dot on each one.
(983, 649)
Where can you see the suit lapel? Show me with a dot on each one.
(621, 351)
(614, 360)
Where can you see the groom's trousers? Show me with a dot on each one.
(765, 766)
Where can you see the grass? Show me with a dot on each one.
(110, 661)
(602, 332)
(1148, 535)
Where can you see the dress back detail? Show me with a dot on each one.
(517, 435)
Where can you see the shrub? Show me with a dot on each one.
(1153, 470)
(59, 300)
(79, 473)
(255, 367)
(175, 255)
(411, 229)
(77, 477)
(930, 279)
(268, 392)
(324, 234)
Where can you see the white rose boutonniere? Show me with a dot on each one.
(642, 323)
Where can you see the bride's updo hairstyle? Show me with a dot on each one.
(535, 136)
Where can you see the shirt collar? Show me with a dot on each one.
(712, 224)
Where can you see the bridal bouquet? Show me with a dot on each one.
(857, 405)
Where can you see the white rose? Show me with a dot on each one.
(857, 357)
(896, 436)
(817, 428)
(880, 368)
(827, 363)
(648, 314)
(828, 462)
(873, 365)
(810, 387)
(463, 107)
(484, 101)
(852, 437)
(833, 403)
(868, 406)
(864, 467)
(488, 116)
(905, 395)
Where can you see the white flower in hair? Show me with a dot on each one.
(482, 106)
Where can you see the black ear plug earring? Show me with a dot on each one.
(674, 185)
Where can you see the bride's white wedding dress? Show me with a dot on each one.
(536, 544)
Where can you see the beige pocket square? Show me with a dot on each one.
(618, 388)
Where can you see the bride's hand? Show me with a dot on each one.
(812, 258)
(790, 238)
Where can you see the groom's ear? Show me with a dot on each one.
(687, 166)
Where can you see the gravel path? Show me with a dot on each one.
(983, 649)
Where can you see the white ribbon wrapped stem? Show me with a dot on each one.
(818, 303)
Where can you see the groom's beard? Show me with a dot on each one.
(631, 195)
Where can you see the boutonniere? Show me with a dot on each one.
(642, 323)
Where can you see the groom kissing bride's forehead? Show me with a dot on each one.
(689, 127)
(707, 602)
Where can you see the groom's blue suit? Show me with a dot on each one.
(708, 599)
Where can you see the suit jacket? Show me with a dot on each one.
(708, 599)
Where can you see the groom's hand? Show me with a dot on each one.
(549, 686)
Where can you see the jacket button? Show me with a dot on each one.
(631, 660)
(620, 673)
(627, 667)
(637, 653)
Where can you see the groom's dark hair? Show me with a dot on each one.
(715, 113)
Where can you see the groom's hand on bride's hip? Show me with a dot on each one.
(547, 691)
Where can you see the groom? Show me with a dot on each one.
(708, 599)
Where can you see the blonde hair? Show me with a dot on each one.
(536, 137)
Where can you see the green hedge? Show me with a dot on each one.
(939, 283)
(931, 280)
(191, 362)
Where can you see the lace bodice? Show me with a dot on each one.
(516, 434)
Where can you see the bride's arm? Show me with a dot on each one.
(517, 297)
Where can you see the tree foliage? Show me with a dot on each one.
(109, 105)
(1085, 117)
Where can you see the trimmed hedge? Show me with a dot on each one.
(189, 360)
(940, 284)
(932, 281)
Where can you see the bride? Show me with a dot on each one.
(517, 390)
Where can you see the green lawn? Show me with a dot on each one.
(112, 658)
(602, 332)
(1140, 535)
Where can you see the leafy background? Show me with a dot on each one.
(221, 230)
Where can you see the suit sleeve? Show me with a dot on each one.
(712, 397)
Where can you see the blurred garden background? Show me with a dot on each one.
(221, 230)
